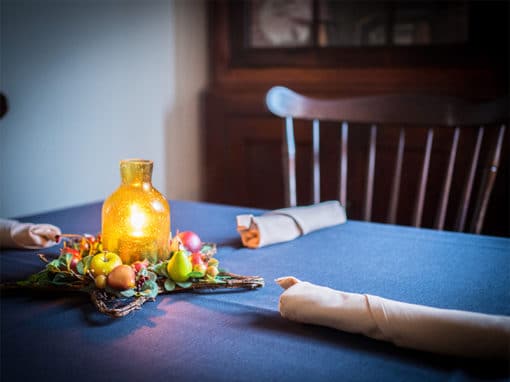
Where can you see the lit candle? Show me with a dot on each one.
(136, 217)
(138, 220)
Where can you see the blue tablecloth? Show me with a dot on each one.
(240, 336)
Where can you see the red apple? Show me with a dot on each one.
(198, 263)
(139, 265)
(196, 258)
(190, 240)
(76, 257)
(74, 262)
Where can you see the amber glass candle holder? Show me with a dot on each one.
(136, 217)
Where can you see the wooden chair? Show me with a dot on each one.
(406, 111)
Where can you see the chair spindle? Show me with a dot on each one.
(290, 163)
(488, 184)
(395, 187)
(445, 193)
(369, 193)
(343, 164)
(466, 195)
(316, 162)
(409, 112)
(420, 200)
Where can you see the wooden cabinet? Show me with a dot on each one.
(242, 140)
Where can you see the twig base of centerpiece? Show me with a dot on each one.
(121, 306)
(116, 307)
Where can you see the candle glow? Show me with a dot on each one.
(136, 217)
(138, 220)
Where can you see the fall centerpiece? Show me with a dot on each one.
(135, 258)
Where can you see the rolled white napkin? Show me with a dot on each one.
(14, 234)
(288, 223)
(444, 331)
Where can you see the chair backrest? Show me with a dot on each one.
(406, 111)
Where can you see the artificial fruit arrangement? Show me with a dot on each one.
(117, 289)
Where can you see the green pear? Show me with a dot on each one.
(179, 266)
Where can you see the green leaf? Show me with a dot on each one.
(80, 268)
(154, 293)
(151, 284)
(214, 280)
(206, 248)
(185, 284)
(169, 285)
(128, 293)
(152, 276)
(61, 279)
(160, 269)
(196, 275)
(37, 279)
(85, 264)
(210, 279)
(53, 266)
(113, 292)
(150, 289)
(65, 261)
(40, 277)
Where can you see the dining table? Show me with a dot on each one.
(239, 335)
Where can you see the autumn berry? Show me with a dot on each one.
(100, 281)
(212, 271)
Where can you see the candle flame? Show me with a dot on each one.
(137, 219)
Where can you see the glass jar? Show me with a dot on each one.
(136, 217)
